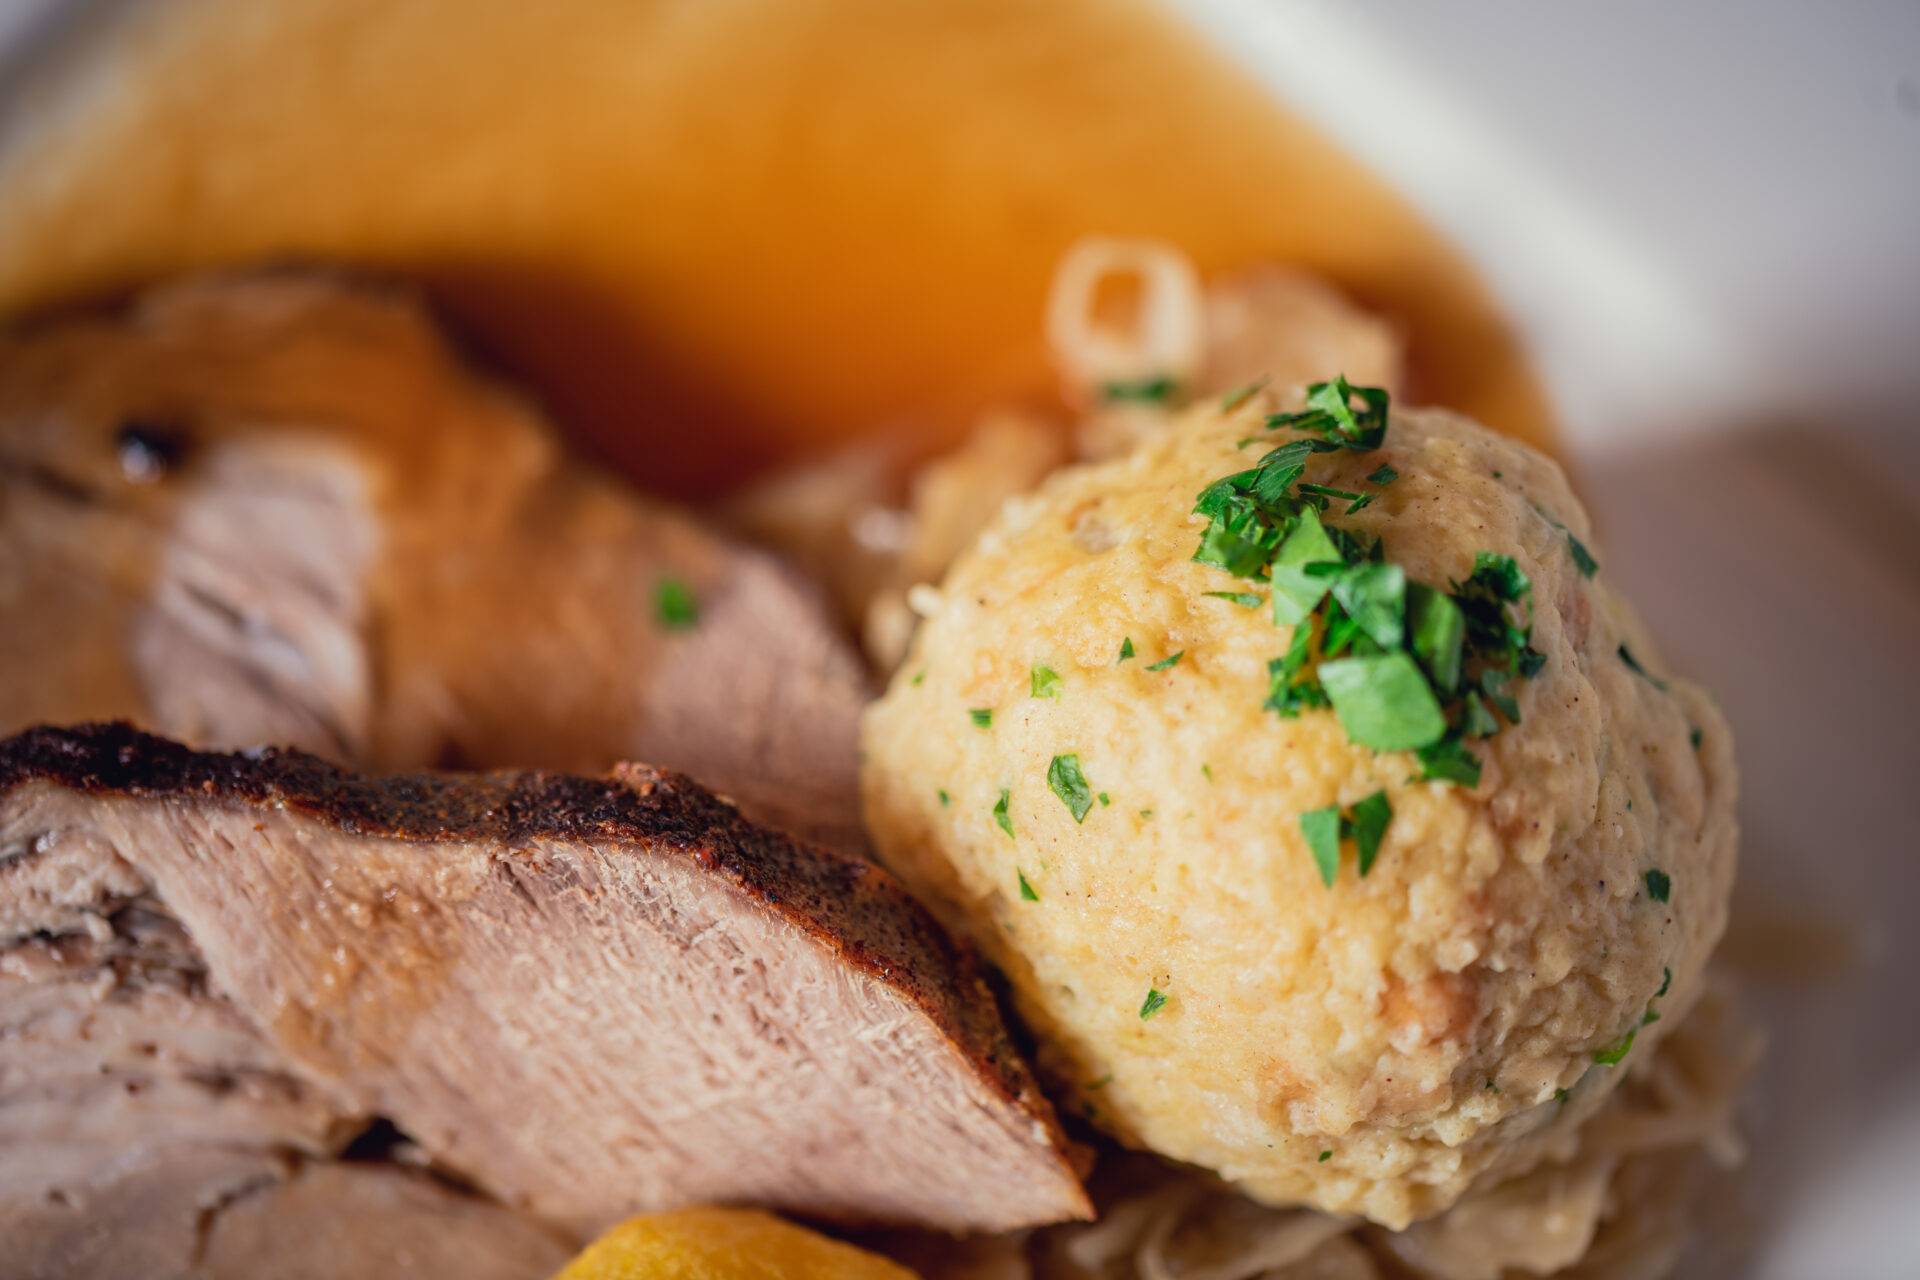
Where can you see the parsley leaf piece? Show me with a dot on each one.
(945, 799)
(1582, 558)
(1383, 475)
(1296, 592)
(1044, 682)
(1324, 1157)
(1437, 630)
(1156, 1000)
(919, 678)
(1449, 761)
(1290, 690)
(1026, 890)
(1330, 413)
(1494, 684)
(1626, 656)
(1167, 663)
(1149, 390)
(674, 606)
(1104, 799)
(1383, 701)
(1321, 827)
(1666, 981)
(1613, 1053)
(1065, 780)
(1126, 650)
(1369, 827)
(1245, 599)
(1475, 720)
(1206, 771)
(1375, 597)
(1234, 399)
(1001, 818)
(1695, 737)
(1561, 1095)
(1659, 885)
(982, 717)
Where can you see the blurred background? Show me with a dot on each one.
(1701, 224)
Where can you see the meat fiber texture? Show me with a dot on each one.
(1375, 1047)
(585, 997)
(280, 508)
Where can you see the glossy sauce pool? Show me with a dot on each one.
(712, 236)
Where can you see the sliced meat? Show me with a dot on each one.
(278, 508)
(588, 997)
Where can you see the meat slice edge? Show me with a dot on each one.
(590, 996)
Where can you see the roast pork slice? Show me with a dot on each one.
(280, 507)
(586, 996)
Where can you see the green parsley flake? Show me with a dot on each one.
(1245, 599)
(1325, 1156)
(1559, 1095)
(982, 717)
(1321, 827)
(1615, 1052)
(1582, 558)
(1633, 664)
(1369, 826)
(1666, 981)
(1234, 399)
(1659, 885)
(1026, 890)
(1155, 1001)
(1206, 771)
(919, 678)
(1105, 799)
(1001, 817)
(1066, 781)
(1167, 663)
(1045, 683)
(1449, 761)
(1149, 390)
(674, 606)
(945, 799)
(1146, 813)
(1384, 702)
(1126, 650)
(1695, 737)
(1383, 475)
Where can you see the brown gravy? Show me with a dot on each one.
(713, 236)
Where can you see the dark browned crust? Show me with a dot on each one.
(848, 905)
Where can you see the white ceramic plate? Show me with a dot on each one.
(1706, 220)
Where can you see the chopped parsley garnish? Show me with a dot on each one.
(945, 799)
(1659, 885)
(1325, 1156)
(1045, 682)
(1491, 1086)
(1206, 771)
(1695, 737)
(674, 606)
(1365, 823)
(1321, 827)
(1104, 799)
(1245, 599)
(1633, 664)
(1582, 558)
(1560, 1096)
(1405, 666)
(1065, 780)
(1001, 818)
(1168, 662)
(1234, 399)
(1155, 1001)
(1146, 813)
(1666, 981)
(919, 678)
(1026, 890)
(982, 717)
(1150, 390)
(1126, 650)
(1613, 1053)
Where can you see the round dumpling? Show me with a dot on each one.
(1354, 898)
